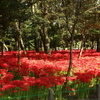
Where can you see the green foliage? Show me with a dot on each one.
(56, 15)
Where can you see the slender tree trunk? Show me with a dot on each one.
(44, 33)
(92, 44)
(71, 57)
(98, 44)
(45, 40)
(41, 45)
(22, 44)
(19, 48)
(72, 32)
(71, 54)
(19, 41)
(81, 50)
(2, 46)
(37, 42)
(82, 42)
(5, 47)
(10, 48)
(37, 39)
(70, 64)
(16, 44)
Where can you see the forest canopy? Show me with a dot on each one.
(45, 25)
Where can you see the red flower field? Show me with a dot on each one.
(40, 69)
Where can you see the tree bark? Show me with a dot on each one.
(19, 48)
(82, 45)
(45, 39)
(5, 47)
(92, 44)
(22, 44)
(18, 40)
(72, 32)
(98, 44)
(37, 42)
(82, 41)
(2, 46)
(44, 29)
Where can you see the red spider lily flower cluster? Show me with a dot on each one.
(40, 69)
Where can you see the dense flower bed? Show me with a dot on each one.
(40, 69)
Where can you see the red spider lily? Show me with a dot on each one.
(67, 87)
(73, 78)
(84, 77)
(98, 73)
(14, 91)
(72, 89)
(40, 69)
(78, 82)
(17, 83)
(7, 87)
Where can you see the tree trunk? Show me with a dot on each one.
(72, 32)
(37, 42)
(45, 40)
(5, 47)
(71, 54)
(44, 33)
(22, 44)
(70, 65)
(18, 40)
(81, 48)
(82, 43)
(2, 46)
(19, 48)
(92, 44)
(98, 44)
